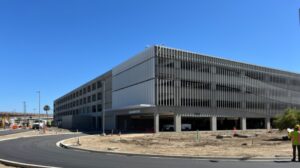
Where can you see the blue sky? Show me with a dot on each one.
(56, 45)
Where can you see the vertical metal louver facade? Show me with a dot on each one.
(192, 84)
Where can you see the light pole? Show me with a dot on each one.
(24, 117)
(24, 108)
(39, 93)
(103, 107)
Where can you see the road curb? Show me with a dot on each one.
(210, 158)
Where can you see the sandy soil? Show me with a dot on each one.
(3, 166)
(263, 144)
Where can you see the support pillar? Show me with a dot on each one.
(268, 123)
(243, 123)
(213, 123)
(156, 122)
(177, 122)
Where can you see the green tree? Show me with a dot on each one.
(47, 108)
(289, 119)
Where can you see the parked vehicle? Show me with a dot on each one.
(170, 127)
(186, 127)
(38, 124)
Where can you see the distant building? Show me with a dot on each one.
(165, 86)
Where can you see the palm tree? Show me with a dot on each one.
(47, 108)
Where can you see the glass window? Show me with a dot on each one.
(99, 107)
(99, 84)
(94, 86)
(94, 97)
(94, 109)
(99, 96)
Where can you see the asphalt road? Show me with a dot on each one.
(43, 151)
(8, 132)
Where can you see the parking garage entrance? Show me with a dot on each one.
(197, 123)
(256, 123)
(135, 123)
(227, 123)
(166, 123)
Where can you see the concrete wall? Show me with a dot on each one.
(142, 93)
(110, 122)
(67, 122)
(82, 122)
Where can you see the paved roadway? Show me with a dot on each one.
(8, 132)
(43, 151)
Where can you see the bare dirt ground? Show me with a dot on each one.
(4, 166)
(260, 144)
(49, 131)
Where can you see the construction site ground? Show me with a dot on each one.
(252, 143)
(48, 131)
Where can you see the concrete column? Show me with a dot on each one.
(156, 122)
(177, 122)
(243, 123)
(213, 123)
(268, 123)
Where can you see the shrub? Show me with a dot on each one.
(289, 119)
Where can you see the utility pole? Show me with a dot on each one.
(103, 107)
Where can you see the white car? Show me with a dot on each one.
(170, 127)
(186, 127)
(38, 124)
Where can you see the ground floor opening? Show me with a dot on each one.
(196, 123)
(227, 123)
(256, 123)
(135, 123)
(156, 122)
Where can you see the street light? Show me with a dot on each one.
(24, 108)
(39, 93)
(103, 107)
